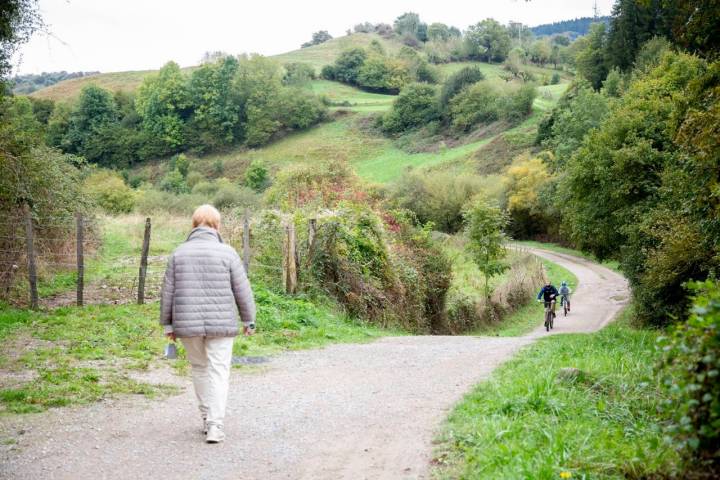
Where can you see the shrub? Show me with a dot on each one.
(298, 73)
(193, 179)
(256, 176)
(109, 191)
(457, 81)
(436, 197)
(415, 106)
(328, 72)
(174, 182)
(230, 195)
(517, 105)
(205, 188)
(555, 79)
(300, 108)
(691, 367)
(477, 103)
(321, 185)
(393, 283)
(153, 201)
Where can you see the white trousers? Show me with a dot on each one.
(210, 358)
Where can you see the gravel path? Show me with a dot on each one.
(345, 411)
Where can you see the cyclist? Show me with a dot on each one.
(548, 293)
(565, 292)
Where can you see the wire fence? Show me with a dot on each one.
(68, 261)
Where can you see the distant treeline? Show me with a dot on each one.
(581, 26)
(31, 82)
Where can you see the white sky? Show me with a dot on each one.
(118, 35)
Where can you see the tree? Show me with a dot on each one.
(591, 61)
(523, 181)
(581, 110)
(318, 37)
(540, 52)
(258, 86)
(438, 31)
(489, 40)
(415, 106)
(484, 224)
(164, 103)
(93, 119)
(347, 66)
(215, 107)
(18, 20)
(633, 23)
(407, 23)
(639, 187)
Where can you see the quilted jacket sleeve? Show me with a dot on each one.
(242, 291)
(167, 293)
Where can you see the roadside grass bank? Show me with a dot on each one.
(537, 417)
(553, 247)
(71, 355)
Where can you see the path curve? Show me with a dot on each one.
(366, 411)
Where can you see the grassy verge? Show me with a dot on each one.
(529, 316)
(532, 421)
(79, 355)
(611, 264)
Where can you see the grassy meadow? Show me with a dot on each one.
(532, 419)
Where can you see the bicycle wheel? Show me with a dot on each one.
(552, 320)
(548, 319)
(565, 308)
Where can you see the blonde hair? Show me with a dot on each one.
(206, 216)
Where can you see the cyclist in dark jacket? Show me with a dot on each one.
(548, 292)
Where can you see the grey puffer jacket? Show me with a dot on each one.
(205, 287)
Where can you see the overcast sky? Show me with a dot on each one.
(118, 35)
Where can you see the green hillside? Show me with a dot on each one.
(317, 56)
(324, 53)
(349, 136)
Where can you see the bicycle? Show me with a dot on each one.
(549, 314)
(565, 302)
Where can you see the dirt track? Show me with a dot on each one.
(346, 411)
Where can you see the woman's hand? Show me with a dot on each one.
(248, 329)
(171, 336)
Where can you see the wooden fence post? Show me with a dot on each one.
(289, 259)
(246, 242)
(80, 239)
(30, 246)
(143, 263)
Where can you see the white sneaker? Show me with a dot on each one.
(215, 434)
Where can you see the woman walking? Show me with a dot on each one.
(205, 288)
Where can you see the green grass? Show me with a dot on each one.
(529, 316)
(493, 71)
(528, 422)
(347, 97)
(327, 52)
(374, 157)
(80, 355)
(611, 264)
